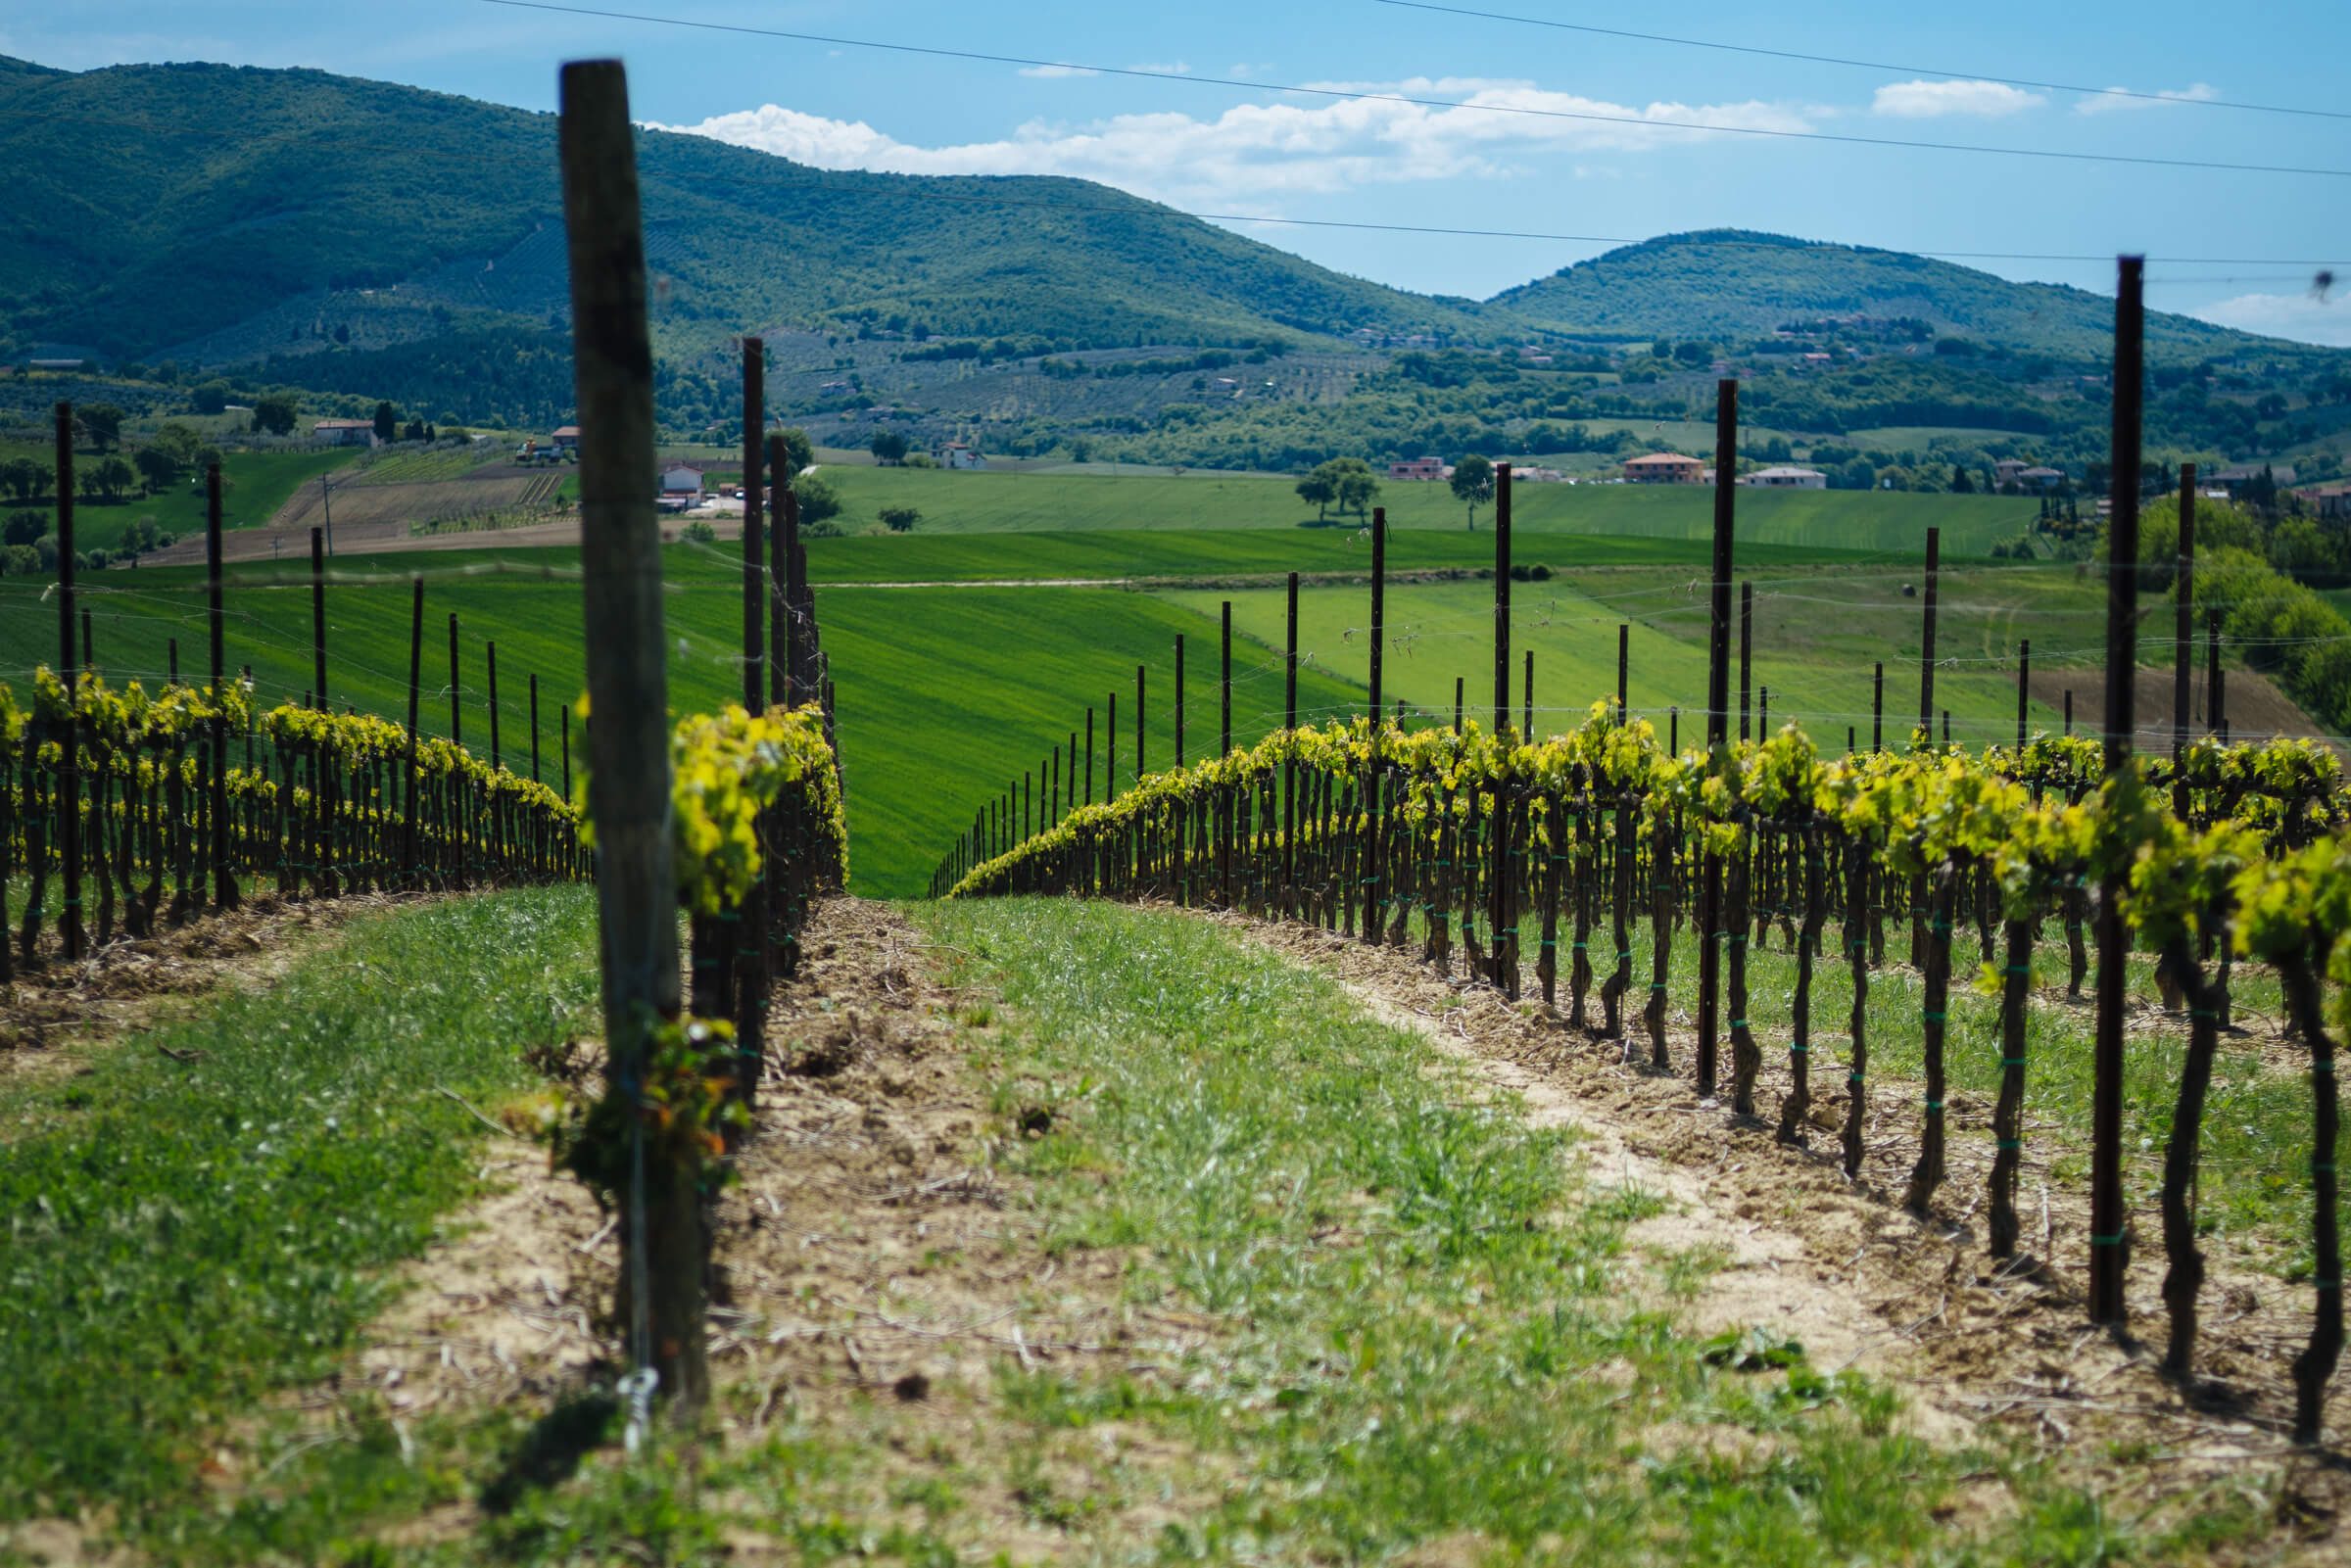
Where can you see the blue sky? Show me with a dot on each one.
(1240, 147)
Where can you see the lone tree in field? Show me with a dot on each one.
(900, 519)
(1320, 489)
(386, 422)
(889, 446)
(819, 501)
(1343, 482)
(1472, 484)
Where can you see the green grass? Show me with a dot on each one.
(189, 1234)
(944, 695)
(1232, 553)
(423, 466)
(1829, 519)
(1818, 631)
(1431, 1380)
(258, 484)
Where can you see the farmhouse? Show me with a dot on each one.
(961, 454)
(1783, 478)
(1417, 468)
(565, 438)
(1664, 468)
(682, 479)
(2329, 503)
(344, 432)
(2247, 476)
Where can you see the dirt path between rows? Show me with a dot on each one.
(876, 1273)
(1979, 1350)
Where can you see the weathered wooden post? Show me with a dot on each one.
(2184, 635)
(2108, 1224)
(319, 619)
(410, 874)
(68, 771)
(224, 881)
(1926, 648)
(1224, 684)
(628, 782)
(1747, 653)
(1719, 719)
(2023, 679)
(1877, 707)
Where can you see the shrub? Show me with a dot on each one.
(699, 533)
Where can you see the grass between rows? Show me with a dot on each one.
(1488, 1364)
(1428, 1335)
(188, 1232)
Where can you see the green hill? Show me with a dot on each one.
(225, 214)
(1735, 284)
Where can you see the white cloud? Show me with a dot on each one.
(1261, 150)
(1049, 72)
(2110, 101)
(2303, 318)
(1167, 69)
(1927, 100)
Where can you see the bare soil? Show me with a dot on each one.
(53, 1016)
(879, 1277)
(371, 518)
(2256, 710)
(1977, 1347)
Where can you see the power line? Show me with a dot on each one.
(1352, 96)
(1864, 65)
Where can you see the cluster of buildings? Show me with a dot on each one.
(1673, 469)
(1426, 469)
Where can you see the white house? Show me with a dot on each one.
(961, 454)
(1785, 478)
(681, 479)
(344, 432)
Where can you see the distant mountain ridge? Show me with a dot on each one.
(358, 237)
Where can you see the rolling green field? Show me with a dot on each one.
(1234, 554)
(945, 693)
(1817, 631)
(258, 484)
(1826, 519)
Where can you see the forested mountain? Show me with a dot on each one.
(1734, 285)
(295, 229)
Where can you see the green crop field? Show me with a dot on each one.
(1817, 632)
(1231, 552)
(258, 484)
(944, 692)
(1826, 519)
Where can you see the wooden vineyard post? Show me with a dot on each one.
(1501, 598)
(69, 773)
(789, 652)
(490, 674)
(2107, 1222)
(1498, 829)
(457, 707)
(1224, 685)
(2024, 678)
(778, 478)
(1747, 654)
(753, 919)
(318, 618)
(411, 873)
(2215, 706)
(534, 729)
(1179, 700)
(1090, 756)
(665, 1254)
(1526, 697)
(1139, 674)
(1374, 906)
(1289, 765)
(1877, 707)
(1109, 755)
(224, 881)
(2068, 710)
(1456, 704)
(2184, 635)
(1719, 717)
(1624, 665)
(1926, 646)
